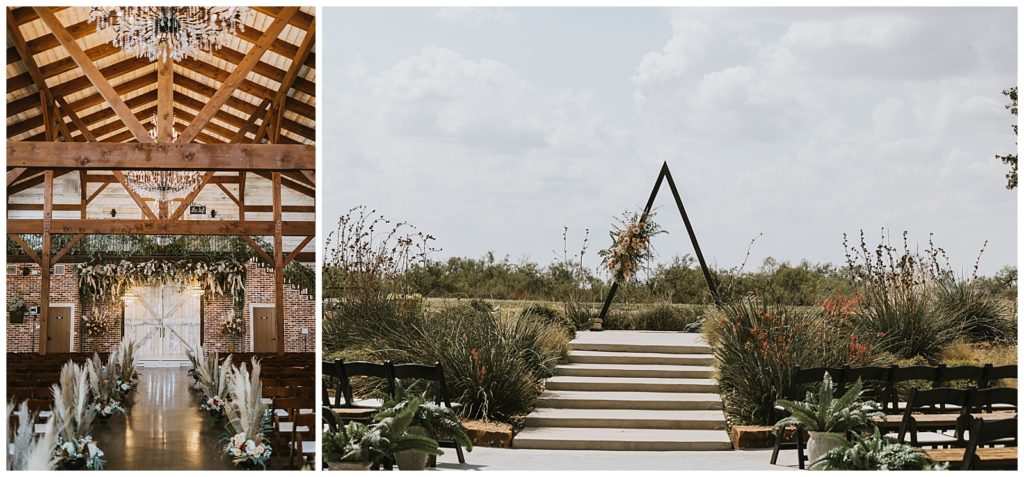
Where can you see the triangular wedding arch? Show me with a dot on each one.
(666, 176)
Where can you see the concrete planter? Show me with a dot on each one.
(821, 442)
(412, 460)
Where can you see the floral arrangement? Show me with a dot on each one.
(72, 421)
(248, 420)
(16, 309)
(631, 245)
(104, 387)
(74, 453)
(214, 380)
(233, 326)
(124, 366)
(245, 451)
(214, 405)
(99, 281)
(95, 326)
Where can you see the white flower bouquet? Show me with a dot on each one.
(248, 452)
(78, 453)
(213, 405)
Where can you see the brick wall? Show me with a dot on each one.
(259, 285)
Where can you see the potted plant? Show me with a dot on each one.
(827, 418)
(355, 446)
(16, 310)
(402, 440)
(429, 420)
(875, 452)
(72, 422)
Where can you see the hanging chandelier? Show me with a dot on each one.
(169, 32)
(163, 185)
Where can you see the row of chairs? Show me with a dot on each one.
(965, 404)
(882, 384)
(341, 373)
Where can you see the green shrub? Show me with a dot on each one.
(481, 305)
(981, 316)
(581, 315)
(757, 345)
(553, 316)
(906, 324)
(493, 362)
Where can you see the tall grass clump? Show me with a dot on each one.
(757, 344)
(981, 316)
(899, 286)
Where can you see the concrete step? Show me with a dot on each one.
(606, 357)
(656, 385)
(695, 348)
(626, 419)
(574, 438)
(628, 400)
(635, 370)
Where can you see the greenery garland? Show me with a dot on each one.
(105, 281)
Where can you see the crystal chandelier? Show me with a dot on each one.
(169, 32)
(163, 185)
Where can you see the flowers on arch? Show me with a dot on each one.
(233, 326)
(631, 245)
(95, 326)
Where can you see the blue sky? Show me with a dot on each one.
(494, 128)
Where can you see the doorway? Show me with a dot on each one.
(163, 321)
(264, 329)
(59, 324)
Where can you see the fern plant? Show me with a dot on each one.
(822, 412)
(436, 419)
(875, 452)
(393, 425)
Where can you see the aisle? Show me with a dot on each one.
(163, 429)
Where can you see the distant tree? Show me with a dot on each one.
(1011, 159)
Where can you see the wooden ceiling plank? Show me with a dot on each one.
(238, 75)
(187, 201)
(99, 82)
(135, 196)
(293, 72)
(14, 174)
(298, 249)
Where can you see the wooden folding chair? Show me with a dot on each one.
(435, 374)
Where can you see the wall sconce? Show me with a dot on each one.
(113, 212)
(213, 214)
(25, 271)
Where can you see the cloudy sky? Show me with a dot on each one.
(494, 128)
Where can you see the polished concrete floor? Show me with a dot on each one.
(163, 429)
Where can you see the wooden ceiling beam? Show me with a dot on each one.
(298, 249)
(143, 207)
(165, 101)
(46, 97)
(161, 227)
(277, 106)
(93, 73)
(238, 75)
(82, 83)
(109, 178)
(62, 65)
(62, 207)
(185, 202)
(295, 186)
(221, 157)
(48, 41)
(265, 69)
(243, 106)
(33, 181)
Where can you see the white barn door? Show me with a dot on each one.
(163, 321)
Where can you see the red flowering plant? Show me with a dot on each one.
(631, 245)
(94, 326)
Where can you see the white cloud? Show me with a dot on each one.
(474, 16)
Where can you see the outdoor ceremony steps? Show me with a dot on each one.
(630, 391)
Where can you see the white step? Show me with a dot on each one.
(628, 400)
(662, 385)
(626, 418)
(642, 348)
(635, 370)
(606, 357)
(621, 439)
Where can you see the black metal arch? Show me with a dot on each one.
(666, 175)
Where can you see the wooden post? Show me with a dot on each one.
(241, 195)
(44, 259)
(278, 265)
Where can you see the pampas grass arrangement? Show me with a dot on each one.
(103, 382)
(128, 377)
(214, 378)
(72, 420)
(248, 419)
(27, 450)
